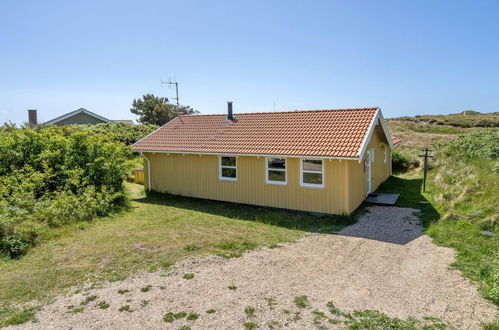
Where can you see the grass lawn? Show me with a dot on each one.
(409, 186)
(158, 231)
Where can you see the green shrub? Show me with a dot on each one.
(49, 177)
(479, 144)
(13, 247)
(400, 162)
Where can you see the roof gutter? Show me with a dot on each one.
(236, 154)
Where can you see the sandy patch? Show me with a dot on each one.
(383, 262)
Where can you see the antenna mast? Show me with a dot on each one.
(170, 83)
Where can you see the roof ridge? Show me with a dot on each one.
(285, 111)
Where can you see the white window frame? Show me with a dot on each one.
(385, 153)
(285, 170)
(311, 185)
(220, 167)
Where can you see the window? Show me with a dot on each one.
(312, 173)
(228, 168)
(385, 154)
(275, 169)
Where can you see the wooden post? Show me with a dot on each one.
(426, 155)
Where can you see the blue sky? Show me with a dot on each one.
(408, 57)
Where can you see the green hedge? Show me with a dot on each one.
(51, 176)
(121, 132)
(478, 145)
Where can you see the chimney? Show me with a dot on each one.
(32, 117)
(230, 116)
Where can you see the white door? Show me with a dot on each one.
(369, 158)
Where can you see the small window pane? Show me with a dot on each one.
(229, 172)
(277, 176)
(278, 163)
(229, 161)
(312, 178)
(312, 165)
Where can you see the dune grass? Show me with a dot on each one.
(417, 136)
(159, 231)
(464, 119)
(467, 195)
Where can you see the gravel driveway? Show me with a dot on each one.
(383, 262)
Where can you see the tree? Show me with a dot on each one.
(157, 110)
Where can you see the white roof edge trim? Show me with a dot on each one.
(386, 129)
(378, 116)
(75, 112)
(236, 154)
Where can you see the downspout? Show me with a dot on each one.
(148, 171)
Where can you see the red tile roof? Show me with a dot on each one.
(328, 133)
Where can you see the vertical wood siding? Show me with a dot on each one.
(345, 182)
(197, 176)
(380, 170)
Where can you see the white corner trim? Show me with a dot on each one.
(148, 172)
(311, 185)
(75, 112)
(279, 183)
(220, 177)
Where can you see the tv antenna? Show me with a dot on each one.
(170, 83)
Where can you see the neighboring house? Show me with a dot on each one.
(323, 161)
(80, 116)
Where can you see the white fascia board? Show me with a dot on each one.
(377, 117)
(386, 129)
(368, 135)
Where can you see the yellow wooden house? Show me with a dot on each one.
(324, 161)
